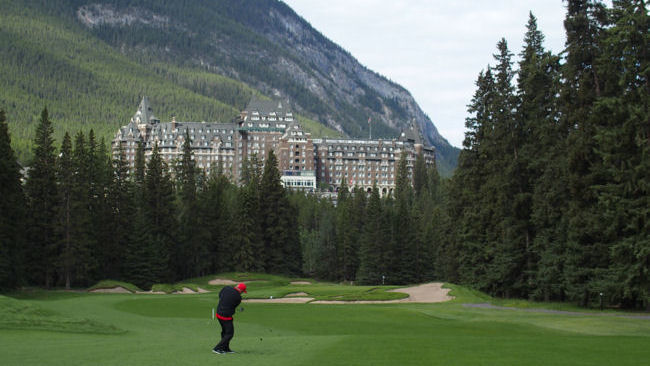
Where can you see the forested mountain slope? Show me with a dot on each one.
(89, 61)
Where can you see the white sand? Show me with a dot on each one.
(300, 283)
(427, 293)
(220, 281)
(282, 300)
(185, 291)
(114, 290)
(297, 294)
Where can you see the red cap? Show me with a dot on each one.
(241, 287)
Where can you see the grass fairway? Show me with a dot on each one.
(125, 329)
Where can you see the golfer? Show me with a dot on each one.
(229, 299)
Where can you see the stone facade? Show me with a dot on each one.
(270, 125)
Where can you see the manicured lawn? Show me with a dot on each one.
(124, 329)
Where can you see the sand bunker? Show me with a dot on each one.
(300, 283)
(220, 281)
(297, 294)
(114, 290)
(427, 293)
(282, 300)
(152, 292)
(187, 290)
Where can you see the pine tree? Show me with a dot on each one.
(344, 234)
(160, 216)
(12, 219)
(587, 254)
(372, 243)
(140, 166)
(420, 177)
(122, 205)
(65, 174)
(463, 254)
(273, 208)
(103, 219)
(404, 244)
(327, 266)
(543, 191)
(42, 251)
(190, 253)
(504, 239)
(246, 252)
(76, 255)
(622, 134)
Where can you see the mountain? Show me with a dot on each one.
(90, 61)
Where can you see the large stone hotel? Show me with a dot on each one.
(305, 163)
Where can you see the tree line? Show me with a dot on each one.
(82, 216)
(551, 199)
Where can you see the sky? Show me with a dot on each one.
(433, 48)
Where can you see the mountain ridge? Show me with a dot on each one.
(266, 46)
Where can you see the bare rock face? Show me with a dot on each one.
(94, 15)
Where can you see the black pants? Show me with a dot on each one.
(227, 332)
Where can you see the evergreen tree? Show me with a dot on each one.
(622, 146)
(420, 177)
(122, 205)
(250, 250)
(190, 255)
(326, 262)
(12, 219)
(344, 234)
(159, 216)
(466, 253)
(404, 244)
(587, 254)
(76, 255)
(542, 155)
(280, 236)
(246, 252)
(140, 166)
(144, 263)
(373, 243)
(103, 218)
(65, 178)
(42, 251)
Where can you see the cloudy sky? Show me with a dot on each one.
(434, 48)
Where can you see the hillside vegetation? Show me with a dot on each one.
(51, 61)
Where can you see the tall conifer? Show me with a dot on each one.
(43, 251)
(12, 218)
